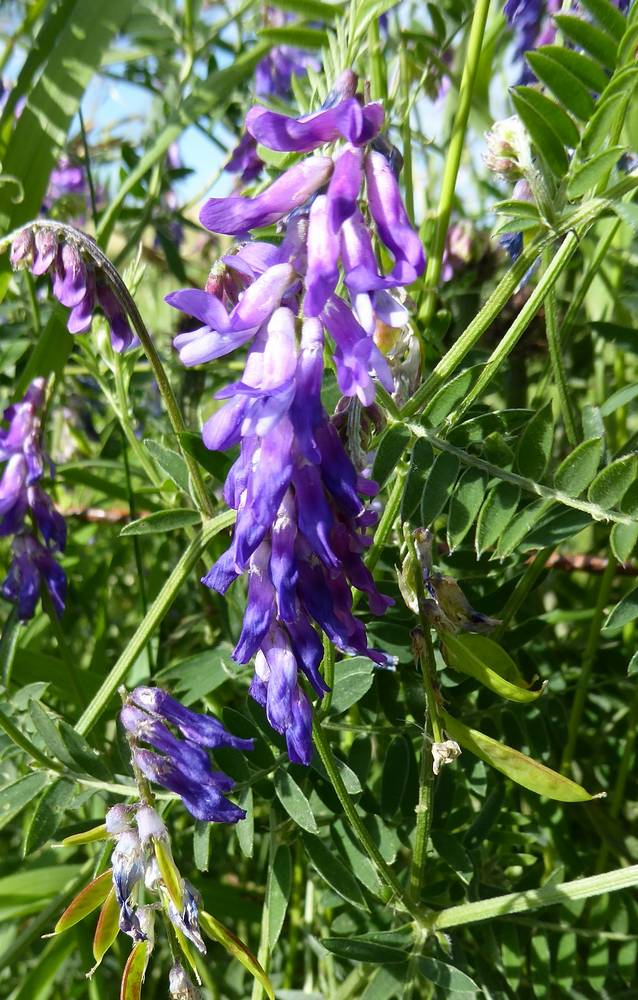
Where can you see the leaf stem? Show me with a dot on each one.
(589, 657)
(371, 849)
(534, 899)
(151, 620)
(556, 358)
(454, 153)
(520, 324)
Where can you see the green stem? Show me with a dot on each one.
(387, 520)
(149, 623)
(406, 134)
(589, 657)
(454, 153)
(523, 588)
(556, 358)
(328, 671)
(371, 849)
(529, 485)
(585, 283)
(471, 336)
(517, 329)
(534, 899)
(9, 644)
(618, 794)
(377, 65)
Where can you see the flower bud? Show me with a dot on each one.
(508, 150)
(150, 825)
(46, 248)
(22, 250)
(118, 819)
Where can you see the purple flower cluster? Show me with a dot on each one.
(181, 765)
(533, 26)
(301, 518)
(75, 282)
(37, 540)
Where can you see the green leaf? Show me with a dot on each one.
(17, 794)
(569, 90)
(353, 678)
(311, 10)
(85, 758)
(623, 537)
(450, 395)
(237, 949)
(390, 450)
(107, 927)
(607, 16)
(333, 871)
(597, 43)
(465, 504)
(420, 463)
(535, 446)
(624, 612)
(523, 770)
(245, 829)
(134, 972)
(611, 484)
(161, 520)
(294, 801)
(438, 487)
(303, 38)
(521, 525)
(48, 814)
(576, 472)
(171, 463)
(549, 111)
(587, 175)
(488, 663)
(278, 892)
(201, 845)
(446, 976)
(396, 767)
(619, 398)
(49, 734)
(541, 129)
(87, 900)
(214, 462)
(50, 353)
(496, 514)
(604, 123)
(586, 69)
(361, 950)
(450, 850)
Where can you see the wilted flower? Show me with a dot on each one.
(301, 515)
(445, 752)
(38, 540)
(181, 765)
(180, 986)
(76, 282)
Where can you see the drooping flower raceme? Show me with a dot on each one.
(26, 511)
(181, 765)
(75, 281)
(301, 521)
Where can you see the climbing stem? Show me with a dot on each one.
(556, 358)
(589, 657)
(328, 760)
(455, 148)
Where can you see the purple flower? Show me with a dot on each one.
(76, 284)
(34, 563)
(244, 160)
(346, 120)
(391, 220)
(236, 215)
(181, 765)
